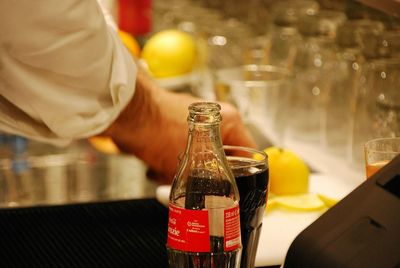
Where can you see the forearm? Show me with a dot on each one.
(137, 122)
(153, 126)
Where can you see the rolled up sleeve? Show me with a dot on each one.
(64, 73)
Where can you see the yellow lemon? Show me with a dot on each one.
(169, 53)
(288, 174)
(130, 42)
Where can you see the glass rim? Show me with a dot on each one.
(386, 62)
(248, 149)
(267, 68)
(242, 148)
(385, 140)
(284, 75)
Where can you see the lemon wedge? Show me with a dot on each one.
(299, 202)
(329, 202)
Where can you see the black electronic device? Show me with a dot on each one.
(362, 230)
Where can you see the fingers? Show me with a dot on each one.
(239, 136)
(233, 130)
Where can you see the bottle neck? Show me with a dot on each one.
(204, 132)
(204, 169)
(204, 137)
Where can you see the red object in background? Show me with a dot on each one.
(134, 16)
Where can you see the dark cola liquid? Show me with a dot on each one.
(182, 259)
(253, 189)
(252, 183)
(198, 188)
(197, 191)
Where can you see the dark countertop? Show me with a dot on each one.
(129, 233)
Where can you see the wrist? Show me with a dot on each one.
(131, 129)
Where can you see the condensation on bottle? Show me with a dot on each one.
(204, 222)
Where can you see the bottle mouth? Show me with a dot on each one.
(204, 112)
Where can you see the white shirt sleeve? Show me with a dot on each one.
(64, 73)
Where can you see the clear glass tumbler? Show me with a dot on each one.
(377, 107)
(337, 120)
(260, 92)
(250, 168)
(379, 152)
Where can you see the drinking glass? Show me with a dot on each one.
(379, 152)
(314, 64)
(282, 34)
(290, 12)
(386, 83)
(377, 109)
(250, 168)
(259, 92)
(338, 107)
(392, 40)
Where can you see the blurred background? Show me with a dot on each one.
(318, 77)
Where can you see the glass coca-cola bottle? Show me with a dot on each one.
(204, 223)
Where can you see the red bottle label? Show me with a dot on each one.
(188, 230)
(232, 238)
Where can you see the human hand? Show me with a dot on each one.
(154, 128)
(173, 132)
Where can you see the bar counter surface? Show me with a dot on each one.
(77, 207)
(129, 233)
